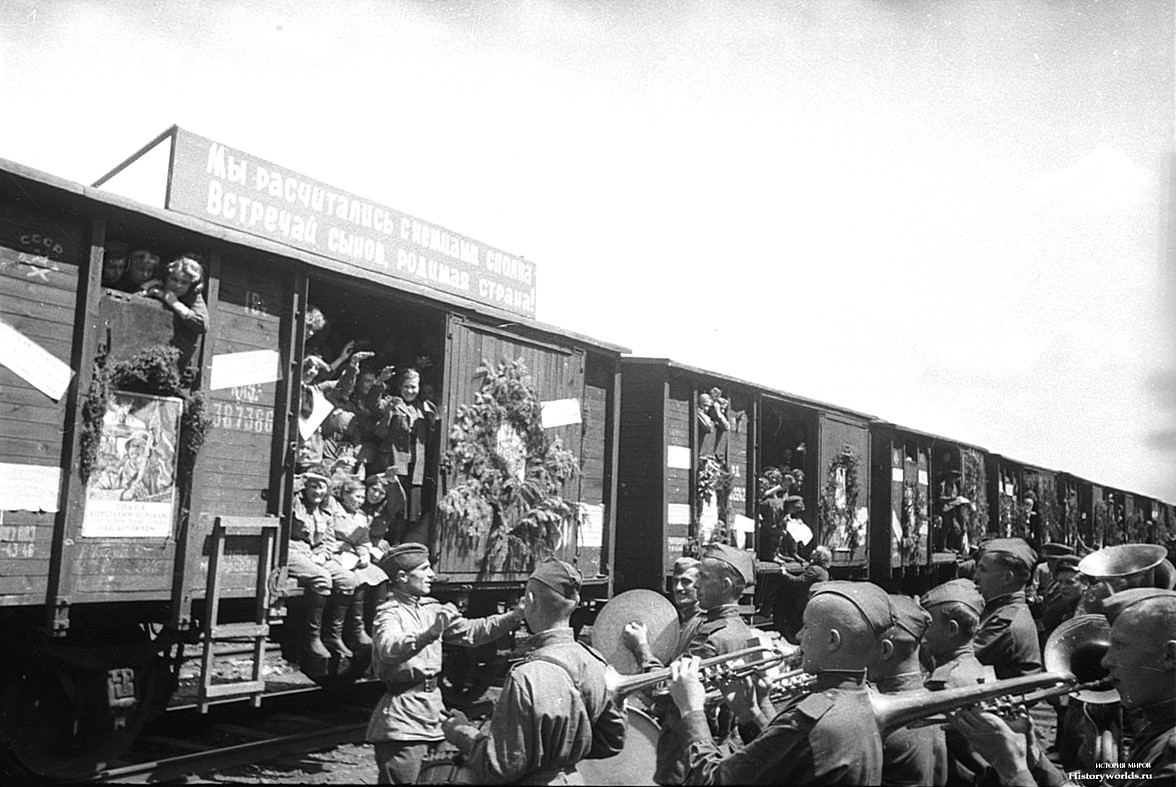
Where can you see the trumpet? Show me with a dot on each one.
(713, 671)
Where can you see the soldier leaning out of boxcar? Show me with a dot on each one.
(313, 562)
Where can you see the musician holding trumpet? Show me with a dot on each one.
(1142, 663)
(828, 737)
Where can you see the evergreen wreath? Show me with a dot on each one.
(973, 483)
(520, 518)
(152, 371)
(832, 516)
(914, 512)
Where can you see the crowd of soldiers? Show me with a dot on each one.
(857, 643)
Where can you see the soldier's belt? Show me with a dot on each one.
(400, 687)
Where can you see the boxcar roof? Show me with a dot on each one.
(669, 363)
(930, 435)
(239, 238)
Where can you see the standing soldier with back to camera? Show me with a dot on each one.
(1007, 639)
(828, 737)
(910, 755)
(723, 574)
(555, 709)
(406, 655)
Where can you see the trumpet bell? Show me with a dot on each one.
(1124, 560)
(1078, 645)
(652, 609)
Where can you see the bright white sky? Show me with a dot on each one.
(949, 215)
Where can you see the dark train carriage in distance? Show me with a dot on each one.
(69, 590)
(682, 469)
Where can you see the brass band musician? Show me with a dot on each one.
(830, 736)
(1007, 639)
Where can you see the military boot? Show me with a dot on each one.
(354, 633)
(314, 655)
(333, 626)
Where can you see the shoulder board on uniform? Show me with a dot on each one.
(942, 673)
(815, 705)
(709, 627)
(427, 600)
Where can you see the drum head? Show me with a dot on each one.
(652, 609)
(635, 763)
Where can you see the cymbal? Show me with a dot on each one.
(652, 609)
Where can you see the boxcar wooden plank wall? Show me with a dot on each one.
(40, 257)
(234, 465)
(679, 499)
(593, 458)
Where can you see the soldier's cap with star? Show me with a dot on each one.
(962, 591)
(909, 616)
(684, 564)
(405, 557)
(1016, 548)
(1116, 603)
(869, 599)
(1067, 563)
(561, 577)
(316, 473)
(739, 559)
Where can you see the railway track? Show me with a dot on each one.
(184, 743)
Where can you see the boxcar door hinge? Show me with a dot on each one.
(59, 625)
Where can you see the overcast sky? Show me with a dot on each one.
(948, 214)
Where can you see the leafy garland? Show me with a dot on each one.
(913, 548)
(715, 477)
(833, 517)
(522, 519)
(153, 371)
(973, 483)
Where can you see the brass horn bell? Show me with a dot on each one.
(1078, 646)
(1126, 565)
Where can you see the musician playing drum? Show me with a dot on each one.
(828, 737)
(723, 575)
(406, 655)
(1142, 662)
(554, 710)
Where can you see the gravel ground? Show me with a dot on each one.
(350, 764)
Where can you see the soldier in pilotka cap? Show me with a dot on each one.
(1007, 639)
(555, 708)
(724, 572)
(406, 655)
(827, 737)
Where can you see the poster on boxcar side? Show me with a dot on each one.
(234, 189)
(131, 492)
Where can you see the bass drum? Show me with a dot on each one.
(635, 763)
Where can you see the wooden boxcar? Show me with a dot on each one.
(929, 505)
(94, 616)
(682, 470)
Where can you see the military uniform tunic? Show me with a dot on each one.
(962, 669)
(1007, 639)
(1155, 745)
(915, 756)
(410, 709)
(828, 737)
(553, 712)
(721, 631)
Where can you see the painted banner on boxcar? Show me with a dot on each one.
(234, 189)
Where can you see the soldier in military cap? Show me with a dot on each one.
(828, 737)
(955, 608)
(910, 756)
(1142, 662)
(1007, 639)
(635, 634)
(723, 574)
(406, 655)
(555, 709)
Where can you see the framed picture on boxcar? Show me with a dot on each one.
(132, 488)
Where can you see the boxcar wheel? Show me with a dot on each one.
(59, 721)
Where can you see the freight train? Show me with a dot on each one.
(144, 521)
